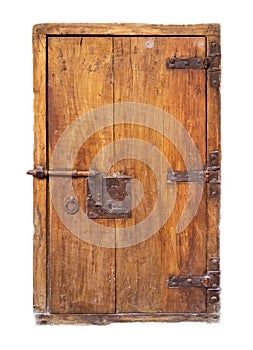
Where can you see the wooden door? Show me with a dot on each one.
(138, 103)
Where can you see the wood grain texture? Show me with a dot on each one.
(96, 65)
(102, 319)
(137, 267)
(79, 79)
(125, 29)
(39, 187)
(184, 253)
(140, 76)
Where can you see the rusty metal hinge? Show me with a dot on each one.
(210, 175)
(211, 63)
(210, 281)
(187, 63)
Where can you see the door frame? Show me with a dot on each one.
(41, 32)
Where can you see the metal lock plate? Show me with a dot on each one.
(108, 197)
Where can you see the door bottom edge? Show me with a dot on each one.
(105, 319)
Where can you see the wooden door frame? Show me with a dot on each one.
(40, 273)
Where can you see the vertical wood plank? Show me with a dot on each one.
(136, 79)
(140, 75)
(184, 253)
(39, 187)
(79, 79)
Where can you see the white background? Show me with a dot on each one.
(17, 323)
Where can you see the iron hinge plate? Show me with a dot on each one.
(210, 281)
(186, 63)
(211, 63)
(215, 77)
(210, 175)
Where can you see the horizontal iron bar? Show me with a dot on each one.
(209, 175)
(187, 63)
(210, 280)
(212, 62)
(41, 173)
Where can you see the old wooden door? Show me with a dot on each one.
(126, 173)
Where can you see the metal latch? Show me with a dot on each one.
(40, 172)
(108, 196)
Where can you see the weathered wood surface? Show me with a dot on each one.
(140, 75)
(81, 275)
(102, 319)
(78, 280)
(40, 187)
(125, 29)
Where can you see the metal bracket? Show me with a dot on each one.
(210, 281)
(108, 196)
(215, 79)
(211, 63)
(210, 175)
(186, 63)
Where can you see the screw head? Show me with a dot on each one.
(215, 260)
(214, 299)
